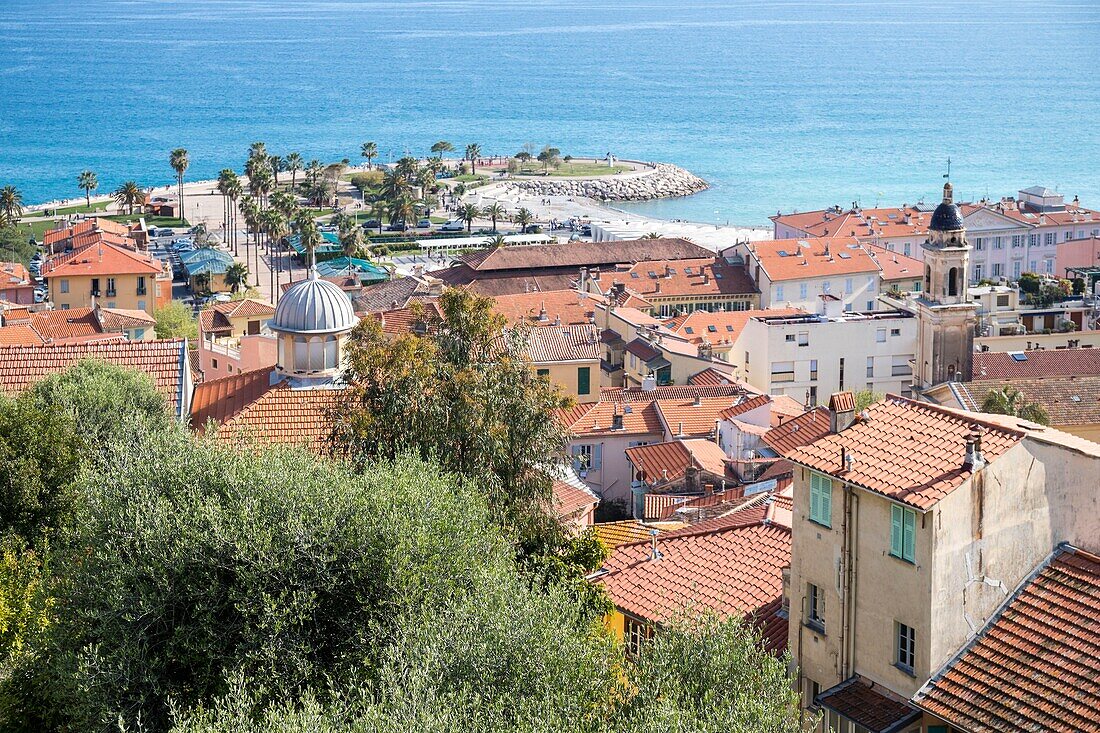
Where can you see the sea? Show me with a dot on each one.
(781, 105)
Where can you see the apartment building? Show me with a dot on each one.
(109, 274)
(568, 356)
(912, 526)
(669, 287)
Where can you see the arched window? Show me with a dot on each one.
(330, 352)
(301, 354)
(316, 354)
(953, 281)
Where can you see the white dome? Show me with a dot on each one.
(314, 306)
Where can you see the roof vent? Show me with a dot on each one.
(974, 459)
(654, 553)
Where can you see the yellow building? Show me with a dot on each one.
(568, 356)
(109, 275)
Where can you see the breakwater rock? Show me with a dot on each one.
(663, 180)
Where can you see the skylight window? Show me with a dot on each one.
(689, 330)
(844, 256)
(687, 271)
(1018, 355)
(729, 328)
(783, 253)
(712, 329)
(652, 274)
(717, 275)
(634, 275)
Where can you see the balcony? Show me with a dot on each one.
(112, 293)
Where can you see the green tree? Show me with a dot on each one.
(175, 320)
(369, 151)
(402, 209)
(40, 457)
(473, 152)
(467, 213)
(442, 147)
(236, 277)
(523, 157)
(1010, 401)
(865, 398)
(294, 164)
(524, 218)
(494, 211)
(129, 194)
(11, 205)
(549, 157)
(87, 181)
(180, 160)
(15, 245)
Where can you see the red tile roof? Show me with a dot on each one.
(570, 499)
(909, 451)
(810, 258)
(416, 318)
(842, 402)
(663, 462)
(580, 254)
(216, 317)
(671, 392)
(1036, 664)
(696, 417)
(798, 431)
(721, 327)
(595, 418)
(20, 334)
(564, 343)
(58, 324)
(551, 307)
(13, 273)
(732, 571)
(708, 378)
(221, 399)
(869, 705)
(656, 279)
(88, 226)
(896, 267)
(1067, 400)
(746, 405)
(881, 222)
(1027, 364)
(643, 350)
(283, 415)
(118, 319)
(165, 361)
(102, 259)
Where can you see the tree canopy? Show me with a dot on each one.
(176, 320)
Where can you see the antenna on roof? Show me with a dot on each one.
(947, 175)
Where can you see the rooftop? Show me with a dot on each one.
(1034, 665)
(720, 327)
(613, 534)
(798, 431)
(661, 463)
(678, 277)
(912, 452)
(553, 307)
(869, 705)
(1038, 363)
(564, 343)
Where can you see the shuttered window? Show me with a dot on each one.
(584, 380)
(903, 531)
(821, 499)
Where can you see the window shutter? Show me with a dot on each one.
(895, 530)
(826, 502)
(597, 455)
(815, 498)
(909, 527)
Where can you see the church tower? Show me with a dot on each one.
(947, 316)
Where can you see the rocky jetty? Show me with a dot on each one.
(661, 181)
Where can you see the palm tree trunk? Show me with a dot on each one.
(88, 197)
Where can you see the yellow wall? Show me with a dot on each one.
(564, 374)
(615, 623)
(79, 293)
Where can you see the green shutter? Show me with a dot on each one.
(896, 532)
(815, 498)
(909, 530)
(826, 502)
(584, 380)
(821, 499)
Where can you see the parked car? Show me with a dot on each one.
(424, 224)
(454, 225)
(371, 224)
(396, 226)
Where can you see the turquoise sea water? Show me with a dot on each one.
(780, 104)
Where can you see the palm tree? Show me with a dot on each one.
(467, 213)
(309, 233)
(524, 218)
(370, 152)
(129, 194)
(251, 210)
(408, 167)
(234, 190)
(276, 225)
(402, 209)
(180, 160)
(1010, 401)
(11, 203)
(652, 235)
(88, 182)
(394, 185)
(257, 150)
(285, 203)
(494, 212)
(261, 183)
(351, 238)
(236, 276)
(294, 163)
(495, 242)
(473, 152)
(460, 189)
(224, 178)
(278, 165)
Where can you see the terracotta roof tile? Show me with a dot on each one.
(785, 406)
(643, 350)
(671, 392)
(221, 399)
(118, 319)
(662, 462)
(103, 259)
(1036, 664)
(554, 307)
(570, 499)
(746, 405)
(868, 705)
(736, 570)
(678, 277)
(708, 378)
(721, 327)
(697, 417)
(1067, 400)
(282, 415)
(564, 343)
(13, 273)
(20, 334)
(581, 254)
(842, 402)
(1028, 364)
(810, 258)
(597, 419)
(613, 534)
(165, 361)
(909, 451)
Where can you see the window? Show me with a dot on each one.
(1069, 235)
(815, 607)
(1016, 269)
(1017, 241)
(899, 365)
(139, 334)
(880, 335)
(141, 305)
(997, 269)
(895, 331)
(635, 633)
(95, 286)
(542, 373)
(903, 529)
(689, 330)
(908, 250)
(1048, 238)
(64, 286)
(584, 380)
(782, 371)
(870, 305)
(978, 271)
(979, 244)
(826, 286)
(997, 243)
(870, 366)
(803, 291)
(813, 368)
(841, 380)
(1048, 266)
(587, 457)
(906, 654)
(141, 285)
(633, 361)
(779, 292)
(789, 338)
(804, 338)
(214, 363)
(821, 499)
(1002, 301)
(1032, 240)
(746, 359)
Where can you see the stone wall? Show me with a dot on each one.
(662, 181)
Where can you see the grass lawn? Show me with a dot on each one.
(468, 178)
(575, 168)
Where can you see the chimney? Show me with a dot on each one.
(649, 383)
(708, 489)
(973, 459)
(657, 287)
(557, 320)
(616, 420)
(680, 429)
(842, 411)
(543, 317)
(654, 553)
(718, 432)
(668, 270)
(691, 479)
(697, 402)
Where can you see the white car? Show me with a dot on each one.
(454, 225)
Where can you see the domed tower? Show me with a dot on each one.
(945, 344)
(311, 321)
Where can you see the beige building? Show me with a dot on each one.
(234, 337)
(110, 275)
(912, 526)
(568, 356)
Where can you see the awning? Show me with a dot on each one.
(868, 705)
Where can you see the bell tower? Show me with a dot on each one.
(947, 315)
